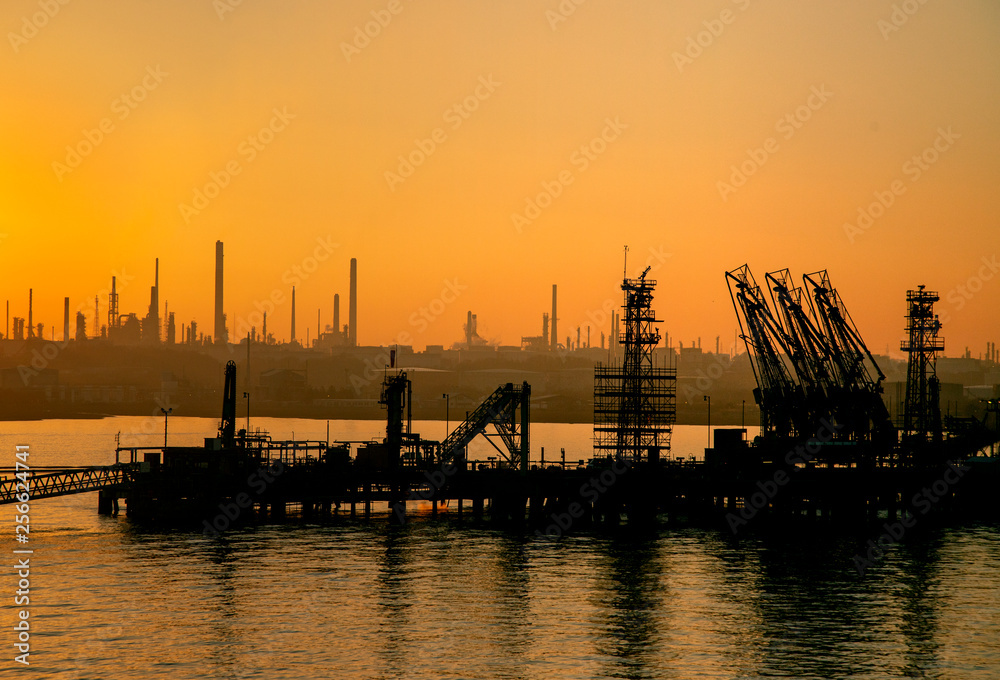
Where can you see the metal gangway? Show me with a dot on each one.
(507, 410)
(63, 481)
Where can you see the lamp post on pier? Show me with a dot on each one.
(166, 414)
(446, 405)
(709, 400)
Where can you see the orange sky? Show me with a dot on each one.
(532, 90)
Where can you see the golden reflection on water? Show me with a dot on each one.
(441, 599)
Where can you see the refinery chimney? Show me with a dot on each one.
(336, 315)
(31, 327)
(151, 326)
(352, 311)
(66, 320)
(554, 333)
(293, 314)
(220, 319)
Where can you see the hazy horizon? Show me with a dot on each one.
(634, 119)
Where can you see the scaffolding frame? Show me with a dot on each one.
(635, 402)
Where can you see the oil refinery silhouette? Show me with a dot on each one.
(823, 422)
(116, 362)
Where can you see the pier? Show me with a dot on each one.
(828, 449)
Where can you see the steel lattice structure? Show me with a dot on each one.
(812, 368)
(922, 411)
(635, 402)
(69, 481)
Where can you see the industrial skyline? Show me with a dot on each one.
(635, 319)
(125, 326)
(857, 143)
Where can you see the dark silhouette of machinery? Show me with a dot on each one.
(815, 376)
(227, 429)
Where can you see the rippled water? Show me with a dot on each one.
(437, 599)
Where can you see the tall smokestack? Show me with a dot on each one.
(154, 304)
(151, 324)
(336, 314)
(112, 307)
(352, 311)
(545, 329)
(553, 319)
(66, 320)
(220, 322)
(293, 313)
(31, 327)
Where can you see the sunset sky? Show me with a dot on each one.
(632, 119)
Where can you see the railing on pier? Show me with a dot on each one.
(295, 450)
(66, 481)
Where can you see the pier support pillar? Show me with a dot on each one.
(105, 502)
(398, 512)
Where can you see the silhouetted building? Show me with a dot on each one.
(81, 327)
